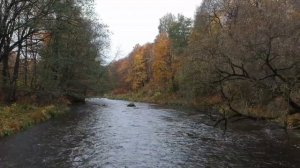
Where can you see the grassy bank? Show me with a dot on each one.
(157, 98)
(160, 98)
(18, 117)
(211, 102)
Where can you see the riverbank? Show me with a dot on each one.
(18, 117)
(114, 135)
(213, 102)
(157, 98)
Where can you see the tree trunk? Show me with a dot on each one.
(26, 64)
(13, 82)
(295, 107)
(5, 77)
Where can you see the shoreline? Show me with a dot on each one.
(19, 117)
(290, 123)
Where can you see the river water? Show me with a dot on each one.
(115, 135)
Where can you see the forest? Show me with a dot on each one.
(220, 89)
(241, 57)
(51, 53)
(50, 48)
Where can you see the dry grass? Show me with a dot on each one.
(18, 117)
(274, 111)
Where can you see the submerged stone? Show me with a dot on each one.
(131, 105)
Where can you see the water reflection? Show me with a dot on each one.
(147, 136)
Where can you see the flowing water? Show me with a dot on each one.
(115, 135)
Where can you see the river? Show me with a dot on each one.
(115, 135)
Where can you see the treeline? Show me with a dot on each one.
(155, 65)
(242, 56)
(50, 49)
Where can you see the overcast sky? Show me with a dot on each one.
(136, 21)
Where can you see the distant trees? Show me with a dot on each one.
(162, 63)
(179, 32)
(53, 46)
(245, 52)
(137, 75)
(157, 64)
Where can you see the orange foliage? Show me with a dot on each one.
(162, 65)
(137, 74)
(150, 64)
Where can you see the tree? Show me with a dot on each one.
(249, 50)
(20, 20)
(165, 23)
(137, 75)
(162, 64)
(71, 64)
(179, 32)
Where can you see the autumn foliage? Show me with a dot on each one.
(242, 56)
(154, 65)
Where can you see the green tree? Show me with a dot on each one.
(179, 32)
(71, 63)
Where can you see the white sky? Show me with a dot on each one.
(136, 21)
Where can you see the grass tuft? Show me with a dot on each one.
(18, 117)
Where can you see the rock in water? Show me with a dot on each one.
(131, 105)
